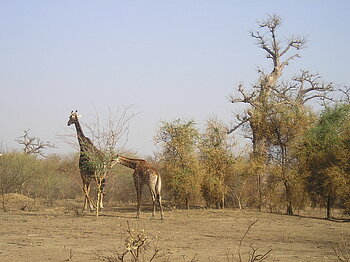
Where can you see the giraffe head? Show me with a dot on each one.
(115, 160)
(73, 118)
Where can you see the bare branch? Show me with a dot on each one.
(286, 62)
(253, 256)
(311, 86)
(272, 22)
(262, 42)
(242, 121)
(258, 257)
(33, 145)
(298, 43)
(304, 88)
(342, 251)
(246, 232)
(345, 93)
(245, 97)
(272, 46)
(111, 134)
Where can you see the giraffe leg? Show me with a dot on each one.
(86, 201)
(159, 198)
(101, 185)
(138, 195)
(101, 201)
(98, 204)
(139, 201)
(91, 206)
(153, 195)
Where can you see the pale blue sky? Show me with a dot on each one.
(170, 59)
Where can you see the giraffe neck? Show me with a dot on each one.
(129, 162)
(82, 139)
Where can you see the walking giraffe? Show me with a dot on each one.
(89, 160)
(144, 173)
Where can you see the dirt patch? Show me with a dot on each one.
(208, 235)
(15, 201)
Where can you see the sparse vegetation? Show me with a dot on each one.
(253, 255)
(298, 158)
(138, 247)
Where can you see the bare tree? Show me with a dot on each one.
(33, 145)
(258, 98)
(111, 134)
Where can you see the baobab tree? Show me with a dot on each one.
(259, 98)
(270, 99)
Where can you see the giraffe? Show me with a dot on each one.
(144, 173)
(90, 156)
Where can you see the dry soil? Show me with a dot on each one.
(64, 234)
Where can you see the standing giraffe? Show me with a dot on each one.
(89, 160)
(144, 173)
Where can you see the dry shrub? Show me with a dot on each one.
(252, 255)
(138, 247)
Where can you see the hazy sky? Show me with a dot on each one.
(170, 59)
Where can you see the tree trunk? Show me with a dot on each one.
(3, 202)
(223, 201)
(329, 206)
(239, 202)
(187, 203)
(289, 209)
(259, 193)
(289, 198)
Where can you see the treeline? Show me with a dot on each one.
(311, 167)
(308, 166)
(297, 156)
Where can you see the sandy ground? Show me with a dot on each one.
(61, 234)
